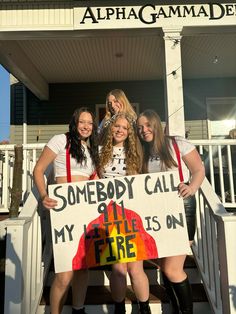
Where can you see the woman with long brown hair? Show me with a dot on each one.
(164, 153)
(74, 156)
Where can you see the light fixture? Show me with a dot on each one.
(215, 60)
(119, 55)
(175, 43)
(174, 73)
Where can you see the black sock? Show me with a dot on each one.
(120, 307)
(78, 311)
(144, 307)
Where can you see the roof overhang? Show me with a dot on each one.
(69, 41)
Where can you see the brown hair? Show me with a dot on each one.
(160, 144)
(74, 141)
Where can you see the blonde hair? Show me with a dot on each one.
(132, 146)
(123, 100)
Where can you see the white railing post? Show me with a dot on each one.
(227, 257)
(15, 270)
(214, 250)
(24, 174)
(6, 178)
(28, 256)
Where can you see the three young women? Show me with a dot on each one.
(160, 154)
(75, 158)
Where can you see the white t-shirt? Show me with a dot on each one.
(57, 144)
(185, 147)
(117, 166)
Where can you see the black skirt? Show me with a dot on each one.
(190, 213)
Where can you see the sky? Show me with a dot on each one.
(4, 104)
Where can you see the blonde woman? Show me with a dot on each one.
(116, 101)
(121, 155)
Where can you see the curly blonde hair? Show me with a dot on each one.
(132, 146)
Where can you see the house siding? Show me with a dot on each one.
(46, 118)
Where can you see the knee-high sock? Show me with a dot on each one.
(120, 307)
(171, 294)
(183, 293)
(144, 307)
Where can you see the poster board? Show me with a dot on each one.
(123, 219)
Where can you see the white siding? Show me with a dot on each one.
(36, 16)
(197, 130)
(43, 132)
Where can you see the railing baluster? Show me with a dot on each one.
(231, 181)
(6, 178)
(211, 166)
(220, 169)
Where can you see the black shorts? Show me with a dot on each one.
(190, 213)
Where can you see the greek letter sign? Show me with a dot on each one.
(124, 219)
(151, 15)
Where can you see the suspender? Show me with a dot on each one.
(68, 169)
(177, 152)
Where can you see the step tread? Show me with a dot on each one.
(154, 263)
(4, 216)
(148, 264)
(102, 295)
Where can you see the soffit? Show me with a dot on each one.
(138, 57)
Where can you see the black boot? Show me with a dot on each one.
(171, 294)
(120, 307)
(80, 311)
(183, 293)
(144, 307)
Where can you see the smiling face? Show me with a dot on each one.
(145, 129)
(85, 125)
(114, 105)
(120, 131)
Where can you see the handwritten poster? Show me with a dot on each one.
(124, 219)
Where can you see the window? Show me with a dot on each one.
(221, 114)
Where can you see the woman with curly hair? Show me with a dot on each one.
(121, 155)
(75, 157)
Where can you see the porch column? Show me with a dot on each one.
(174, 103)
(24, 115)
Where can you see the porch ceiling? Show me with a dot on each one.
(112, 56)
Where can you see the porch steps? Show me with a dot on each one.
(3, 216)
(99, 301)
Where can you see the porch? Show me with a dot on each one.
(28, 247)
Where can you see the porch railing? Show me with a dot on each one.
(214, 250)
(30, 155)
(28, 256)
(219, 157)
